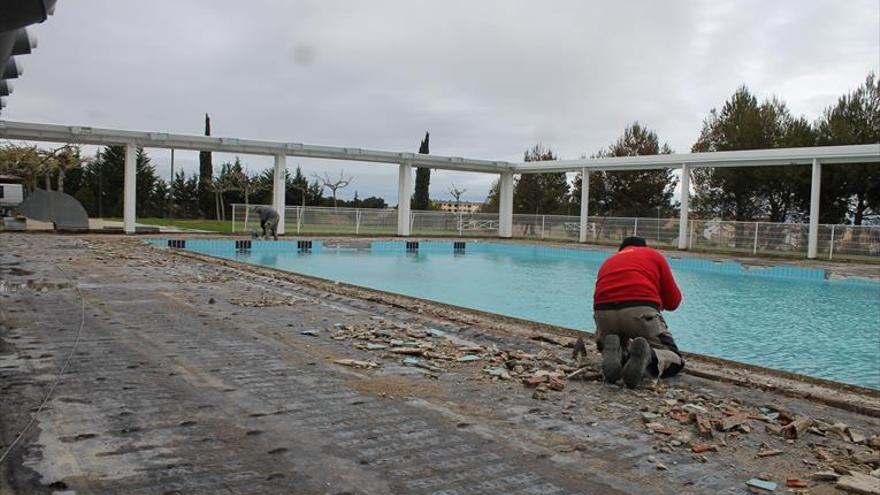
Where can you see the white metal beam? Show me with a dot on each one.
(92, 135)
(129, 189)
(404, 196)
(585, 203)
(815, 187)
(861, 153)
(505, 206)
(684, 203)
(279, 190)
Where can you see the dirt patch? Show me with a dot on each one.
(398, 386)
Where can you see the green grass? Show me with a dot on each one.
(220, 226)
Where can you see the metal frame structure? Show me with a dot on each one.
(815, 156)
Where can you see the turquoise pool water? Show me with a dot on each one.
(782, 317)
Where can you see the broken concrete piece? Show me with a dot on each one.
(376, 347)
(413, 351)
(661, 428)
(497, 371)
(761, 484)
(704, 426)
(649, 416)
(825, 476)
(534, 381)
(796, 428)
(354, 363)
(693, 408)
(731, 422)
(555, 383)
(770, 452)
(555, 339)
(700, 448)
(857, 482)
(872, 457)
(468, 358)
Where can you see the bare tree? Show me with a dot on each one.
(334, 184)
(457, 193)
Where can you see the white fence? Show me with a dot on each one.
(835, 241)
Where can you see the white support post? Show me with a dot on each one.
(831, 244)
(755, 246)
(685, 205)
(636, 226)
(585, 204)
(357, 222)
(543, 225)
(691, 242)
(129, 189)
(505, 206)
(404, 195)
(279, 190)
(299, 218)
(815, 185)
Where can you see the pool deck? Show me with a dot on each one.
(196, 375)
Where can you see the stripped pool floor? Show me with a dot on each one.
(192, 377)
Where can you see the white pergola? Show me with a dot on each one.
(815, 156)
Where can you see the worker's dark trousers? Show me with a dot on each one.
(641, 321)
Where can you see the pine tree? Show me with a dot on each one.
(852, 190)
(185, 196)
(421, 199)
(748, 193)
(540, 194)
(630, 193)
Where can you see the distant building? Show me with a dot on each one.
(461, 207)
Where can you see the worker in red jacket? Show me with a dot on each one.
(633, 286)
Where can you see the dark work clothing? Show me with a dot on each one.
(266, 214)
(268, 220)
(632, 288)
(646, 322)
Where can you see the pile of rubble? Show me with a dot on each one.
(680, 420)
(436, 351)
(705, 425)
(265, 300)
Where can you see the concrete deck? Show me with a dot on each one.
(196, 376)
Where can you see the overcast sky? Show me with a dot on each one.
(487, 78)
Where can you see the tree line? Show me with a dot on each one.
(98, 183)
(779, 194)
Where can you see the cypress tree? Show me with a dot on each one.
(206, 177)
(421, 199)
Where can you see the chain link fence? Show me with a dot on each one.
(751, 238)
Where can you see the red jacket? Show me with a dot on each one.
(637, 274)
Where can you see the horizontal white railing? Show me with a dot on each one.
(835, 241)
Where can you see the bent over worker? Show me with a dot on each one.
(268, 220)
(632, 288)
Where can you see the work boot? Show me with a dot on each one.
(611, 358)
(640, 354)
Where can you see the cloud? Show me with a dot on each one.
(488, 79)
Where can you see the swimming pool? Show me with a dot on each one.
(782, 317)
